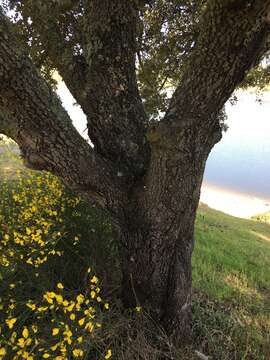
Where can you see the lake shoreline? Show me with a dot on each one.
(233, 202)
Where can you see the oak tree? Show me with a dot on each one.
(146, 165)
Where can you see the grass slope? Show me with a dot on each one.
(231, 274)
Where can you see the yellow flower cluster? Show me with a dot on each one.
(31, 210)
(70, 326)
(37, 322)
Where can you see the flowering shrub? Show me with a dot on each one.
(51, 303)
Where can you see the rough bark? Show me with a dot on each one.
(149, 181)
(117, 120)
(158, 233)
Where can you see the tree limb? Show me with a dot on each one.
(33, 116)
(232, 36)
(116, 117)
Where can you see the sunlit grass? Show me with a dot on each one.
(231, 266)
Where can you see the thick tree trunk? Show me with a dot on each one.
(157, 236)
(158, 278)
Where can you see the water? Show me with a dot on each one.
(241, 160)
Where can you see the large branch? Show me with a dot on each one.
(116, 117)
(101, 76)
(232, 36)
(33, 116)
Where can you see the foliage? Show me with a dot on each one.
(167, 33)
(161, 56)
(160, 53)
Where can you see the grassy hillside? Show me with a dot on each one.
(49, 236)
(231, 271)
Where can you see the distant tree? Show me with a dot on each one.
(146, 166)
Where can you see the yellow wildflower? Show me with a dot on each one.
(59, 299)
(55, 331)
(42, 308)
(89, 326)
(10, 322)
(34, 328)
(2, 351)
(80, 298)
(94, 280)
(68, 333)
(109, 354)
(25, 333)
(70, 307)
(77, 352)
(21, 342)
(31, 306)
(49, 297)
(81, 321)
(60, 286)
(53, 348)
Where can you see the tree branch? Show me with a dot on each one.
(33, 116)
(100, 73)
(232, 36)
(117, 120)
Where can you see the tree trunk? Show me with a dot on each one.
(158, 278)
(157, 236)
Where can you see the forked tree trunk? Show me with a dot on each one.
(157, 237)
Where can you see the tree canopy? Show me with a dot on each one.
(167, 31)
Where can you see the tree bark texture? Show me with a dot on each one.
(148, 177)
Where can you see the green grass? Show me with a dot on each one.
(231, 257)
(231, 280)
(231, 274)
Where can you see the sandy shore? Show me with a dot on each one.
(232, 202)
